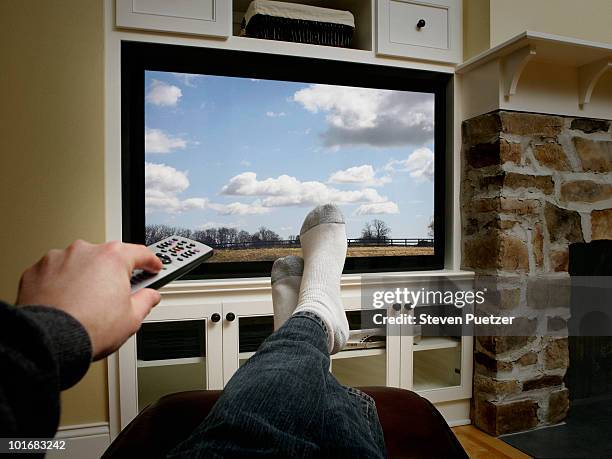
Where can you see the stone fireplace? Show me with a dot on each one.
(531, 186)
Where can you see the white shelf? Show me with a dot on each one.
(351, 353)
(166, 362)
(432, 384)
(549, 48)
(435, 342)
(348, 354)
(539, 73)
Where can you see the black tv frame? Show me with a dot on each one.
(137, 57)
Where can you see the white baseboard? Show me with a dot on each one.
(83, 441)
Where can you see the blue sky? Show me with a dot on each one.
(246, 153)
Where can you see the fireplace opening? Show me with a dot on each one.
(589, 377)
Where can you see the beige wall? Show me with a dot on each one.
(52, 144)
(476, 33)
(585, 19)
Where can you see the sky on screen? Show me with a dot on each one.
(241, 152)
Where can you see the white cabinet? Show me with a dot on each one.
(420, 29)
(197, 339)
(196, 17)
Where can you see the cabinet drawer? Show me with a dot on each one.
(420, 29)
(199, 17)
(419, 25)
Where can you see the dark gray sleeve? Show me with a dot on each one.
(42, 351)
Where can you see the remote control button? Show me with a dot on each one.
(166, 261)
(179, 259)
(173, 254)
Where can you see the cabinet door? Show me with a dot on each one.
(246, 324)
(372, 354)
(178, 348)
(439, 368)
(419, 29)
(197, 17)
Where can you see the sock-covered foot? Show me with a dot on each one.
(286, 279)
(323, 240)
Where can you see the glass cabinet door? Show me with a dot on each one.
(364, 360)
(171, 357)
(436, 352)
(252, 331)
(436, 363)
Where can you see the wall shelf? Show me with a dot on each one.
(539, 72)
(435, 342)
(167, 362)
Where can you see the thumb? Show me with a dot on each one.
(143, 301)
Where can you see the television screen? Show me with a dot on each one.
(236, 162)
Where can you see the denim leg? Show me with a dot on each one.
(274, 405)
(351, 425)
(283, 402)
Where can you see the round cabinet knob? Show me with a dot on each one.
(216, 317)
(421, 24)
(230, 316)
(397, 306)
(408, 306)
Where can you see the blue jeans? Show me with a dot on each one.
(283, 403)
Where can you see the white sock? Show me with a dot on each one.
(286, 279)
(323, 240)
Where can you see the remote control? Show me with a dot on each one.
(178, 255)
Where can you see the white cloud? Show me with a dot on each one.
(362, 175)
(275, 114)
(157, 141)
(163, 94)
(377, 208)
(289, 191)
(163, 184)
(239, 208)
(188, 79)
(208, 225)
(369, 116)
(420, 164)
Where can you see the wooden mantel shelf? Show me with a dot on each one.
(565, 69)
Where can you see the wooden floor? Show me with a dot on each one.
(480, 445)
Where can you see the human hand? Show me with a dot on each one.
(92, 284)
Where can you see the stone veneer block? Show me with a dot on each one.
(517, 123)
(558, 405)
(543, 183)
(589, 126)
(585, 191)
(601, 224)
(497, 387)
(495, 250)
(556, 354)
(551, 155)
(500, 418)
(595, 155)
(542, 381)
(563, 225)
(559, 260)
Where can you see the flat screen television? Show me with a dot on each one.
(234, 148)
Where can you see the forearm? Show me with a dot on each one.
(42, 351)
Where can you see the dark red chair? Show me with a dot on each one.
(412, 426)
